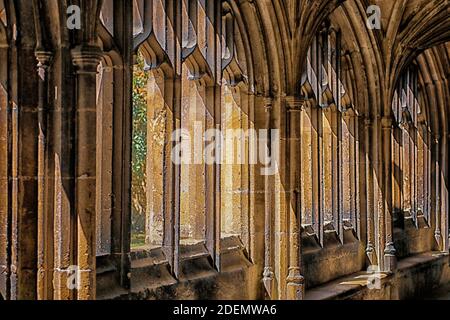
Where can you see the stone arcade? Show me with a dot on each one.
(359, 205)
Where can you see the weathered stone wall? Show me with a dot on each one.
(303, 68)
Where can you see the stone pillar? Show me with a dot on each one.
(390, 260)
(86, 60)
(4, 173)
(295, 280)
(370, 248)
(23, 162)
(436, 184)
(444, 193)
(44, 258)
(268, 274)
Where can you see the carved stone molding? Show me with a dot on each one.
(86, 59)
(295, 104)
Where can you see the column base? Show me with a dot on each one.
(390, 258)
(296, 285)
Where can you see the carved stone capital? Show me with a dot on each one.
(86, 59)
(268, 104)
(44, 59)
(387, 123)
(295, 276)
(295, 104)
(436, 138)
(390, 258)
(295, 284)
(390, 249)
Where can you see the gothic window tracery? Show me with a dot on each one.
(413, 142)
(188, 80)
(330, 140)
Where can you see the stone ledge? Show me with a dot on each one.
(151, 278)
(406, 283)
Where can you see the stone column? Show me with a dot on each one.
(436, 191)
(44, 228)
(390, 260)
(444, 193)
(370, 249)
(295, 280)
(268, 274)
(4, 173)
(86, 60)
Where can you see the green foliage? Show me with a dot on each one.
(139, 148)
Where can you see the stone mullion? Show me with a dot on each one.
(14, 188)
(172, 175)
(193, 114)
(62, 127)
(105, 104)
(188, 180)
(121, 174)
(44, 279)
(212, 184)
(199, 162)
(401, 168)
(390, 259)
(411, 172)
(305, 151)
(4, 173)
(281, 190)
(337, 173)
(348, 169)
(172, 98)
(403, 194)
(360, 214)
(295, 280)
(214, 97)
(211, 47)
(318, 172)
(414, 173)
(86, 60)
(245, 169)
(422, 170)
(210, 175)
(436, 191)
(397, 184)
(370, 195)
(253, 217)
(321, 110)
(269, 272)
(121, 146)
(428, 176)
(24, 144)
(238, 155)
(444, 193)
(226, 168)
(354, 176)
(411, 159)
(377, 154)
